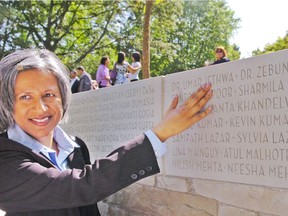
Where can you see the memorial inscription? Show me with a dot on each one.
(245, 138)
(107, 118)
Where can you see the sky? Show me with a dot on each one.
(262, 22)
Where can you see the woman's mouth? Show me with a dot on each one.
(40, 121)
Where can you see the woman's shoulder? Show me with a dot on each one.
(101, 67)
(136, 64)
(124, 64)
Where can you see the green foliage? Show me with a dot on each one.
(183, 33)
(233, 52)
(202, 26)
(280, 44)
(79, 32)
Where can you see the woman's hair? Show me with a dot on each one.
(121, 57)
(27, 59)
(222, 49)
(136, 56)
(103, 60)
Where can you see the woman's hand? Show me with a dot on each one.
(178, 119)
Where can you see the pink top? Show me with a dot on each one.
(102, 72)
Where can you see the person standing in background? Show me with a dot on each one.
(74, 82)
(122, 68)
(85, 83)
(220, 55)
(134, 76)
(102, 74)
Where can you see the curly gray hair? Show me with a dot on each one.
(27, 59)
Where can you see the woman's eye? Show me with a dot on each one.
(25, 97)
(49, 95)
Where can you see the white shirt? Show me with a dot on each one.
(136, 74)
(73, 80)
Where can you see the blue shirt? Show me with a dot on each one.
(66, 145)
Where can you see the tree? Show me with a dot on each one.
(280, 44)
(146, 39)
(162, 22)
(74, 30)
(202, 26)
(10, 38)
(183, 33)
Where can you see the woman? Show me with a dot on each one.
(102, 74)
(134, 75)
(220, 55)
(46, 172)
(122, 69)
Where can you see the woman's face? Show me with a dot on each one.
(38, 103)
(219, 54)
(107, 62)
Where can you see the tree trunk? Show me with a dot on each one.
(146, 40)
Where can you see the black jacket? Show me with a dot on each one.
(30, 185)
(221, 61)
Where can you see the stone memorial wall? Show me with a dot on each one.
(241, 148)
(245, 139)
(109, 117)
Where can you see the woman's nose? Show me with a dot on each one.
(40, 105)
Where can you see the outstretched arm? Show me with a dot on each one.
(133, 69)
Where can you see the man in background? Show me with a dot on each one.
(74, 81)
(85, 80)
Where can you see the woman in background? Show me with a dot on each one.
(220, 55)
(102, 74)
(134, 76)
(123, 68)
